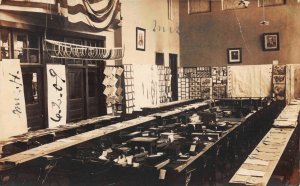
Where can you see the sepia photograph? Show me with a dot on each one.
(140, 39)
(234, 55)
(271, 41)
(149, 92)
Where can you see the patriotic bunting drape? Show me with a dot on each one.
(98, 14)
(85, 15)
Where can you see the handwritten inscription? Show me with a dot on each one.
(56, 105)
(16, 80)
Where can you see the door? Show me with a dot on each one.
(76, 107)
(297, 81)
(174, 79)
(33, 92)
(93, 93)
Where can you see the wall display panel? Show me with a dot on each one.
(297, 81)
(191, 80)
(199, 77)
(279, 78)
(146, 82)
(13, 120)
(183, 85)
(165, 93)
(258, 78)
(113, 88)
(129, 88)
(219, 82)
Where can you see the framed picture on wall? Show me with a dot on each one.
(271, 41)
(140, 39)
(234, 55)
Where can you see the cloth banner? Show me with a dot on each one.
(146, 83)
(13, 120)
(98, 14)
(250, 81)
(34, 1)
(292, 82)
(57, 95)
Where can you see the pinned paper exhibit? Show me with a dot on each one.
(109, 91)
(108, 71)
(119, 99)
(119, 91)
(119, 71)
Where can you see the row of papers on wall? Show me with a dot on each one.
(113, 88)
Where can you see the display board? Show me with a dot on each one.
(129, 88)
(219, 82)
(146, 82)
(194, 82)
(113, 89)
(250, 81)
(165, 93)
(292, 81)
(279, 81)
(13, 120)
(183, 85)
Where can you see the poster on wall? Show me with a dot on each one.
(13, 119)
(57, 95)
(219, 82)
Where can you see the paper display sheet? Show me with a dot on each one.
(57, 95)
(13, 119)
(146, 81)
(250, 81)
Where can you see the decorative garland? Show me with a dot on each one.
(59, 49)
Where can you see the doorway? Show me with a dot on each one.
(34, 96)
(174, 79)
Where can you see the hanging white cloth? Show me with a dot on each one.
(13, 120)
(57, 95)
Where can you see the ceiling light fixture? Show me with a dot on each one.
(264, 21)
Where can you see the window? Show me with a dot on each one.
(159, 58)
(270, 2)
(198, 6)
(75, 84)
(5, 43)
(26, 47)
(30, 81)
(170, 9)
(232, 4)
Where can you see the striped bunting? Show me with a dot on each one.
(34, 1)
(99, 14)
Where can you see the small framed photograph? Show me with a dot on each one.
(140, 39)
(271, 41)
(234, 55)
